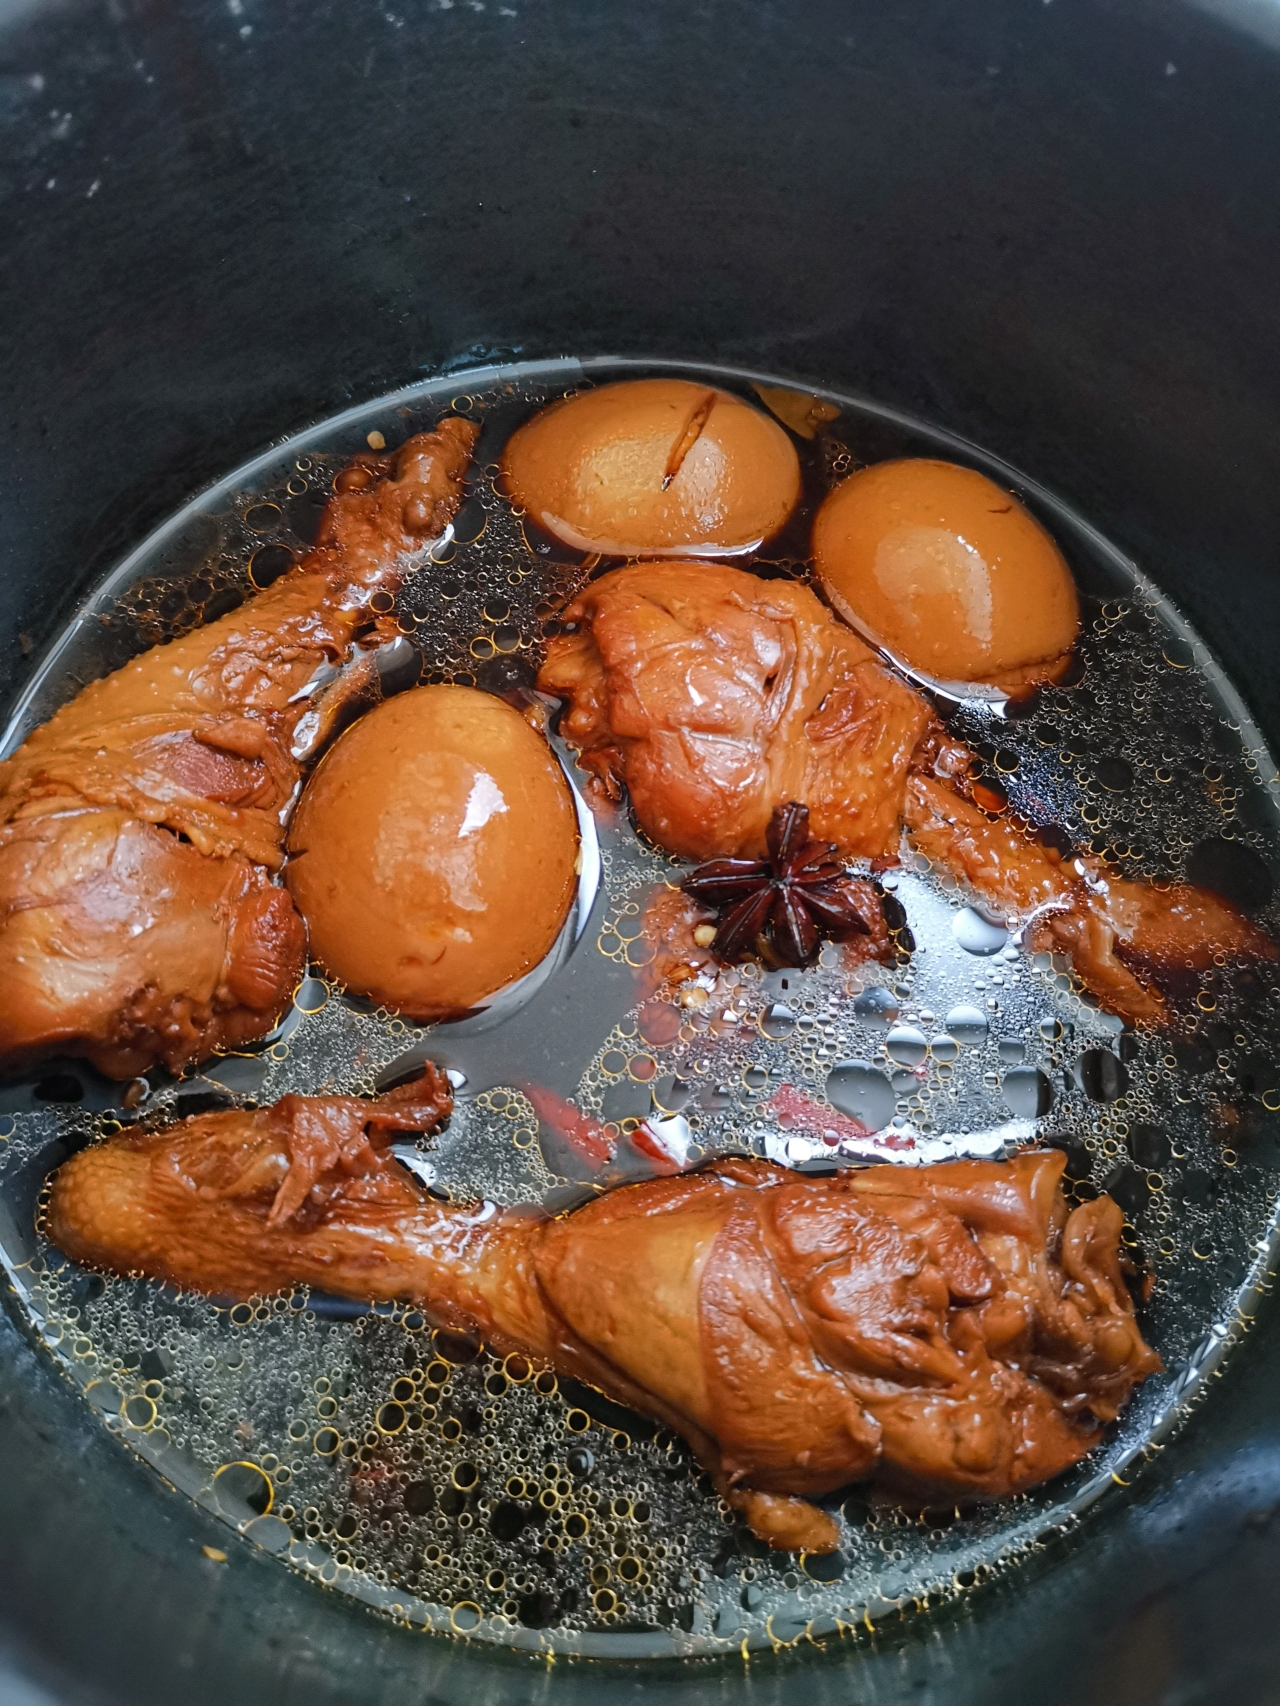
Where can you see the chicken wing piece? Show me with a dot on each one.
(1127, 941)
(714, 696)
(161, 792)
(954, 1330)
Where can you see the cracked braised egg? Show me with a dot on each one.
(949, 572)
(433, 853)
(654, 467)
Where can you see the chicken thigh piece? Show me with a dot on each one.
(714, 696)
(956, 1331)
(141, 827)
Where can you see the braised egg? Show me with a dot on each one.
(434, 851)
(654, 467)
(949, 572)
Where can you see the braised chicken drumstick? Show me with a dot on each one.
(1125, 939)
(142, 826)
(955, 1330)
(715, 697)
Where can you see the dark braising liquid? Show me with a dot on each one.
(418, 1473)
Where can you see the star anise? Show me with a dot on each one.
(780, 907)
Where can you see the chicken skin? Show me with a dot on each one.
(714, 697)
(141, 828)
(956, 1331)
(1125, 939)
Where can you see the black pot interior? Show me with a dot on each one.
(1048, 225)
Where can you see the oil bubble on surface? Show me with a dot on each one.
(777, 1020)
(966, 1023)
(1027, 1092)
(906, 1044)
(486, 1499)
(876, 1008)
(976, 933)
(856, 1088)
